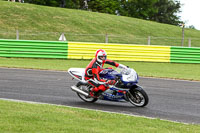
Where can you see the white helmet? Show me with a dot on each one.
(101, 55)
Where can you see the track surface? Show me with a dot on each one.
(169, 99)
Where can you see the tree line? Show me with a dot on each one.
(162, 11)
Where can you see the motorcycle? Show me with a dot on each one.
(124, 90)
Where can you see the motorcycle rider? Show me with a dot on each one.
(94, 68)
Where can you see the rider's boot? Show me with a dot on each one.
(95, 92)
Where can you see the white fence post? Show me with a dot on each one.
(106, 39)
(189, 42)
(17, 34)
(182, 41)
(149, 40)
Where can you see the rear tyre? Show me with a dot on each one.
(138, 97)
(86, 88)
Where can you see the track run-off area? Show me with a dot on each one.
(174, 100)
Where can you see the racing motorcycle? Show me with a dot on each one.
(124, 90)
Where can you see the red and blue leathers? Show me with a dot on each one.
(92, 74)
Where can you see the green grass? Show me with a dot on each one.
(147, 69)
(36, 22)
(18, 117)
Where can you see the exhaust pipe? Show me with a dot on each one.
(76, 89)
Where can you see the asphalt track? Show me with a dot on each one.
(174, 100)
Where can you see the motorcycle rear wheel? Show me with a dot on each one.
(138, 97)
(85, 88)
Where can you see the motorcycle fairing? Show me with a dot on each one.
(112, 94)
(127, 81)
(78, 73)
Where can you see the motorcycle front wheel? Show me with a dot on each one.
(138, 97)
(86, 88)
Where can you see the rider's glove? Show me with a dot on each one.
(122, 66)
(111, 82)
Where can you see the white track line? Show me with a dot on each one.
(31, 102)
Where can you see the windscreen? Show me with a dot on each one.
(124, 71)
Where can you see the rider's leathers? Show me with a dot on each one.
(92, 74)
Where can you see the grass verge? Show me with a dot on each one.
(147, 69)
(23, 117)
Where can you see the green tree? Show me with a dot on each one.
(104, 6)
(143, 9)
(54, 3)
(167, 12)
(74, 4)
(191, 27)
(163, 11)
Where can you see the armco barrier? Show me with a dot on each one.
(78, 50)
(185, 55)
(123, 52)
(34, 49)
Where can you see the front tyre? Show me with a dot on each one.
(86, 88)
(138, 97)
